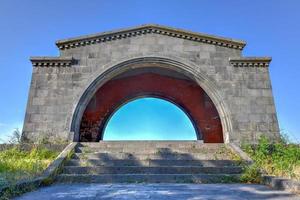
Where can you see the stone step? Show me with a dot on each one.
(165, 156)
(151, 144)
(151, 162)
(148, 178)
(149, 150)
(151, 170)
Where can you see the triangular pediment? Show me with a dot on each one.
(149, 29)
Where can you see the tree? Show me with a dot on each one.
(15, 138)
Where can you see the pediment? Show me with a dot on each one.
(149, 29)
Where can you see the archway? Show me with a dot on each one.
(156, 82)
(149, 118)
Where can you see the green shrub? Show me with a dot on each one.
(251, 174)
(278, 159)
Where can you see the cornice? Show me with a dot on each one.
(51, 61)
(250, 61)
(149, 29)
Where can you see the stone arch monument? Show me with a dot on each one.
(228, 97)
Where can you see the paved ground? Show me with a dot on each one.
(158, 191)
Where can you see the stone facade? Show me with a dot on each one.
(61, 87)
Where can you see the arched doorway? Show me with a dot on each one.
(149, 118)
(155, 82)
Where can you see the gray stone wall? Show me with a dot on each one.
(245, 91)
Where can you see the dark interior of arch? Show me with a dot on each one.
(156, 82)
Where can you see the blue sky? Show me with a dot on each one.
(149, 119)
(31, 27)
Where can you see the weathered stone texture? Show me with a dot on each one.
(245, 91)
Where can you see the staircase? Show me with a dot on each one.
(151, 162)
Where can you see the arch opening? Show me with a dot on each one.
(151, 82)
(149, 118)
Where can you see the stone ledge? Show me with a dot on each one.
(51, 61)
(236, 149)
(279, 183)
(149, 29)
(250, 61)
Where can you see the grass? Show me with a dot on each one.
(224, 152)
(17, 164)
(277, 159)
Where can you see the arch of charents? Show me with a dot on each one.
(228, 97)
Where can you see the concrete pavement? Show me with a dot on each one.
(158, 191)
